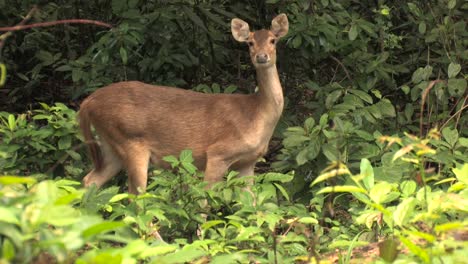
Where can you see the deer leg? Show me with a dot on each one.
(215, 169)
(248, 170)
(111, 166)
(137, 169)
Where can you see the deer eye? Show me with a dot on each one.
(273, 41)
(250, 43)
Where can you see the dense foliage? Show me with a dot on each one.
(372, 147)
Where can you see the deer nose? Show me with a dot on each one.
(261, 58)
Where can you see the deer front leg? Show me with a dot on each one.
(248, 170)
(216, 167)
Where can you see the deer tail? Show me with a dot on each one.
(89, 140)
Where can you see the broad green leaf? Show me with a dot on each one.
(332, 98)
(363, 95)
(64, 142)
(381, 193)
(463, 141)
(450, 226)
(295, 140)
(462, 173)
(353, 32)
(330, 174)
(101, 228)
(8, 180)
(450, 136)
(404, 211)
(367, 173)
(302, 156)
(453, 69)
(282, 190)
(308, 220)
(119, 197)
(388, 249)
(8, 215)
(422, 27)
(210, 224)
(421, 74)
(408, 188)
(11, 122)
(343, 188)
(277, 177)
(123, 55)
(330, 152)
(456, 87)
(8, 250)
(451, 4)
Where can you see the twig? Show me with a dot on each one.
(342, 66)
(423, 102)
(458, 113)
(58, 22)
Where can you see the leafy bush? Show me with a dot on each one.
(43, 140)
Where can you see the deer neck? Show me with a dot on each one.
(270, 93)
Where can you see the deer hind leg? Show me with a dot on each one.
(137, 162)
(110, 167)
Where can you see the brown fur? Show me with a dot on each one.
(138, 123)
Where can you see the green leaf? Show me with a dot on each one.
(381, 193)
(194, 17)
(8, 215)
(422, 27)
(297, 41)
(277, 177)
(404, 210)
(462, 173)
(453, 69)
(119, 197)
(408, 188)
(332, 98)
(101, 228)
(451, 4)
(456, 87)
(450, 136)
(363, 95)
(64, 142)
(368, 174)
(302, 156)
(421, 74)
(11, 122)
(330, 152)
(353, 32)
(330, 174)
(8, 180)
(282, 190)
(210, 224)
(308, 220)
(123, 55)
(343, 188)
(8, 250)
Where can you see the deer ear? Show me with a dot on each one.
(280, 25)
(240, 29)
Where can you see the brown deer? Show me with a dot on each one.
(138, 123)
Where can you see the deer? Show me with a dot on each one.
(137, 124)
